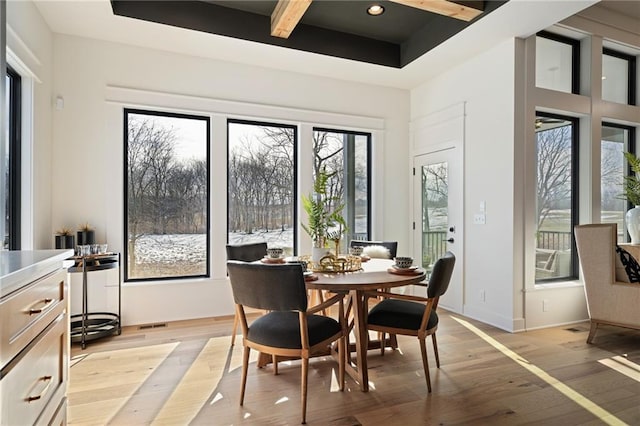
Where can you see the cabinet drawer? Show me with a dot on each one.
(37, 379)
(26, 313)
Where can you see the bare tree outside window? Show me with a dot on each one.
(554, 154)
(261, 191)
(345, 157)
(615, 141)
(167, 184)
(262, 180)
(435, 214)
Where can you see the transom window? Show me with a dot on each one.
(618, 77)
(557, 62)
(167, 195)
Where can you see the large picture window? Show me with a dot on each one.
(557, 189)
(167, 195)
(262, 184)
(11, 163)
(345, 157)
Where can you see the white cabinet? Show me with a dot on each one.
(34, 340)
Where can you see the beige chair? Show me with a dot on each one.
(609, 301)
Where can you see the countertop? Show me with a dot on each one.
(20, 267)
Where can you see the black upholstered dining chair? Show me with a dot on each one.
(246, 253)
(290, 328)
(413, 315)
(392, 246)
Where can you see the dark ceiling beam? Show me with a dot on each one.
(286, 16)
(465, 12)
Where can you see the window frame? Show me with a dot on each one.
(630, 148)
(575, 56)
(575, 194)
(125, 249)
(15, 158)
(369, 137)
(296, 174)
(631, 73)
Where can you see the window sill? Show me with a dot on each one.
(555, 285)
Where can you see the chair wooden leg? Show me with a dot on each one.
(393, 341)
(342, 358)
(245, 367)
(235, 329)
(592, 331)
(305, 371)
(383, 342)
(435, 349)
(321, 299)
(425, 362)
(274, 361)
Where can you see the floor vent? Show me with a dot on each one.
(148, 326)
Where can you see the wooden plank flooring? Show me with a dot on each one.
(187, 373)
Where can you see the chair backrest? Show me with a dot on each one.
(246, 252)
(392, 246)
(269, 287)
(596, 251)
(441, 275)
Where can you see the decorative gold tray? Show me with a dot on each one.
(333, 263)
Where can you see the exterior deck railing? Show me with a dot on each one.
(434, 242)
(554, 240)
(433, 246)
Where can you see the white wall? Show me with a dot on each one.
(30, 52)
(485, 84)
(93, 77)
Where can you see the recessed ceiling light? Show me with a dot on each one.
(375, 10)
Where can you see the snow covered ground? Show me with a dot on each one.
(191, 248)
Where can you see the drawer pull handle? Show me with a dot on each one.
(39, 310)
(46, 379)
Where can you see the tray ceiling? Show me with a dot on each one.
(340, 29)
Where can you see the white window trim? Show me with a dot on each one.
(219, 111)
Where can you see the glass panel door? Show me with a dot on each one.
(438, 217)
(435, 211)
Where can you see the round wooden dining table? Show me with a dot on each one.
(375, 275)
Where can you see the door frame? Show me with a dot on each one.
(436, 132)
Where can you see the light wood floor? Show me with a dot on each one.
(187, 373)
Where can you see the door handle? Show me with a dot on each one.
(450, 240)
